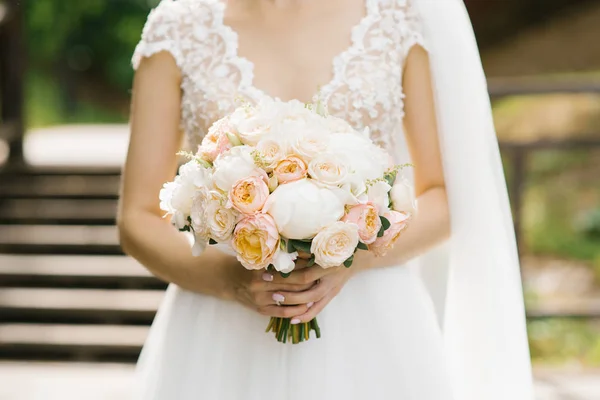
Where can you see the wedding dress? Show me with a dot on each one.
(383, 336)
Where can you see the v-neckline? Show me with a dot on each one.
(356, 34)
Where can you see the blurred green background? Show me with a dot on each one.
(79, 72)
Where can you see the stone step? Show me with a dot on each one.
(70, 187)
(120, 343)
(102, 272)
(79, 306)
(59, 239)
(57, 211)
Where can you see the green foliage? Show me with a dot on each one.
(95, 36)
(556, 341)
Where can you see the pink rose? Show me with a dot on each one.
(367, 219)
(248, 195)
(290, 169)
(256, 240)
(216, 140)
(399, 222)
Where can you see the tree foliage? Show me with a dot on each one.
(92, 37)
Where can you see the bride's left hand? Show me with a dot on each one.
(329, 282)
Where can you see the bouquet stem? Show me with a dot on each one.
(284, 330)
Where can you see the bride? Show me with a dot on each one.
(440, 317)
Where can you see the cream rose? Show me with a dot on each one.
(290, 169)
(255, 241)
(248, 195)
(200, 226)
(234, 165)
(338, 125)
(329, 169)
(366, 217)
(302, 208)
(272, 151)
(308, 146)
(335, 244)
(399, 222)
(220, 220)
(403, 196)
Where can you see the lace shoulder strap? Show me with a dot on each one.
(414, 26)
(161, 33)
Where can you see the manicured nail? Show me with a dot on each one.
(295, 321)
(309, 305)
(278, 298)
(267, 277)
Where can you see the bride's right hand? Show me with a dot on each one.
(258, 290)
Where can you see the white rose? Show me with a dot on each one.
(330, 169)
(284, 262)
(272, 150)
(253, 123)
(220, 220)
(308, 145)
(196, 174)
(378, 194)
(367, 160)
(302, 208)
(198, 216)
(403, 196)
(335, 244)
(234, 165)
(176, 199)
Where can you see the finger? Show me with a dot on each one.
(313, 311)
(269, 283)
(306, 276)
(283, 311)
(313, 295)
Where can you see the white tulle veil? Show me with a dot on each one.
(474, 279)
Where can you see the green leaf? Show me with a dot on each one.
(212, 241)
(349, 261)
(381, 231)
(185, 229)
(362, 246)
(300, 245)
(385, 223)
(311, 262)
(285, 275)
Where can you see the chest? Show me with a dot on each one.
(354, 63)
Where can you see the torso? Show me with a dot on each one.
(351, 53)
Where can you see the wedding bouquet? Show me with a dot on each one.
(280, 179)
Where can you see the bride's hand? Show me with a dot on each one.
(324, 284)
(259, 290)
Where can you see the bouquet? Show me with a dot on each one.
(280, 179)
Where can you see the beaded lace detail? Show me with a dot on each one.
(366, 88)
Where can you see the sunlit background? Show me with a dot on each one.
(74, 311)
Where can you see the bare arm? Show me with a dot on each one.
(431, 225)
(152, 161)
(151, 239)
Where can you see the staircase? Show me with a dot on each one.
(67, 292)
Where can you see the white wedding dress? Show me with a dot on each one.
(381, 337)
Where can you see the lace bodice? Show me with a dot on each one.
(366, 88)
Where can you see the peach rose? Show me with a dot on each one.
(399, 222)
(367, 219)
(334, 244)
(256, 240)
(248, 195)
(290, 169)
(216, 140)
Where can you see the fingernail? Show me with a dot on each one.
(267, 277)
(309, 305)
(278, 298)
(295, 321)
